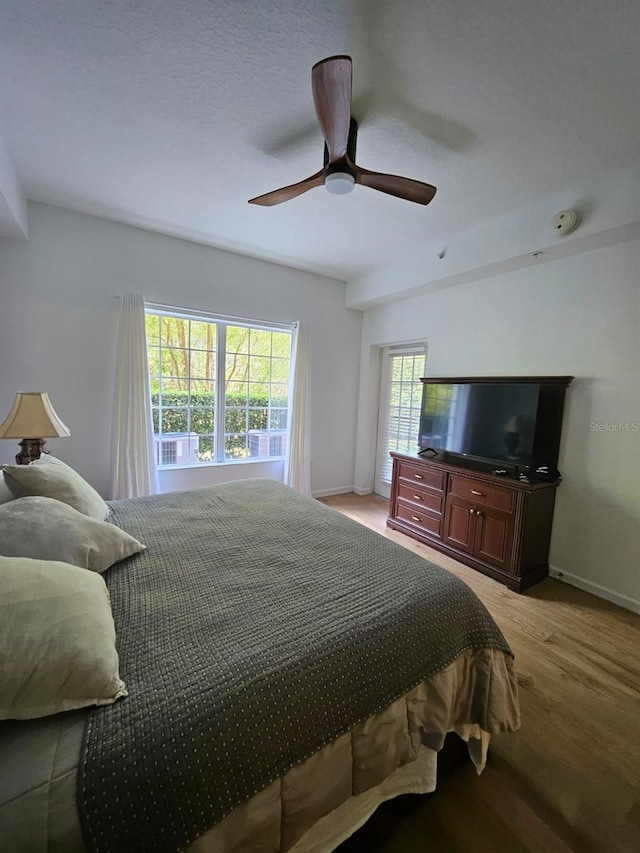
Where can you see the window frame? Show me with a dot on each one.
(222, 323)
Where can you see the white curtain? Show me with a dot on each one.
(297, 471)
(133, 467)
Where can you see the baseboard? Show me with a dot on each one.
(361, 492)
(325, 493)
(596, 589)
(342, 490)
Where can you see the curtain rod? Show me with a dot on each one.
(177, 310)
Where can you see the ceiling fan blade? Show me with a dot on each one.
(406, 188)
(331, 84)
(293, 190)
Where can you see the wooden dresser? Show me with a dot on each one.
(497, 525)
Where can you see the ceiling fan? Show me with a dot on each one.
(331, 86)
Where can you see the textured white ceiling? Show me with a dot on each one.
(173, 114)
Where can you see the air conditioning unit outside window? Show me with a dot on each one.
(267, 442)
(176, 448)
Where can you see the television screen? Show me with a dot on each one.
(489, 420)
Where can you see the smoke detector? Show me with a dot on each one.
(565, 222)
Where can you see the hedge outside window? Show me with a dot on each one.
(190, 358)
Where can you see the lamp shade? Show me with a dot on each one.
(32, 416)
(514, 424)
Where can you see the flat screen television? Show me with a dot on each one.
(511, 423)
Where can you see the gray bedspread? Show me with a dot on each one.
(257, 626)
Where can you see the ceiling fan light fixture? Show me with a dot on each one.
(339, 183)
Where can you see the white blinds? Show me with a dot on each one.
(400, 401)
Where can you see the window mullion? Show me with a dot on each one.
(188, 372)
(220, 391)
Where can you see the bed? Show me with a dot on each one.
(287, 671)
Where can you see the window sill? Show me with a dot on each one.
(227, 463)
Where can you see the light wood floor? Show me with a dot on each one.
(570, 778)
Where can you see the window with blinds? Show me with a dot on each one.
(400, 401)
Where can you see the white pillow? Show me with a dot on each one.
(57, 640)
(47, 529)
(52, 478)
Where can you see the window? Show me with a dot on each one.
(191, 357)
(400, 403)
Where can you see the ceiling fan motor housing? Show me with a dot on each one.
(341, 166)
(339, 177)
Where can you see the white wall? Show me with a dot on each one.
(578, 316)
(608, 206)
(58, 329)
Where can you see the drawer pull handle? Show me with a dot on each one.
(480, 494)
(417, 497)
(471, 511)
(416, 518)
(478, 512)
(418, 476)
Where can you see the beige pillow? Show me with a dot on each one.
(57, 640)
(52, 478)
(47, 529)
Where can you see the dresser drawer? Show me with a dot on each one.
(422, 475)
(422, 521)
(421, 497)
(482, 494)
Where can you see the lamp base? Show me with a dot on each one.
(32, 449)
